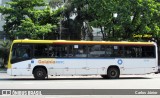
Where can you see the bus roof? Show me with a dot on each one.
(84, 42)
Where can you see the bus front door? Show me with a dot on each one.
(21, 60)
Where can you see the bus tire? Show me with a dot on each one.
(40, 73)
(113, 73)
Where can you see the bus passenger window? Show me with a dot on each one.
(116, 51)
(148, 52)
(58, 51)
(77, 51)
(97, 51)
(39, 50)
(131, 51)
(139, 51)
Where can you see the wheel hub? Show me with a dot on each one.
(39, 73)
(113, 73)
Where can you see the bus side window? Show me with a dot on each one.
(81, 51)
(58, 51)
(130, 51)
(77, 51)
(97, 51)
(40, 50)
(51, 51)
(116, 51)
(148, 52)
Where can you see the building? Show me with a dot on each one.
(97, 35)
(2, 21)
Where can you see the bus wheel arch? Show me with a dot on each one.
(40, 72)
(113, 72)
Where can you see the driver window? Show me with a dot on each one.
(21, 52)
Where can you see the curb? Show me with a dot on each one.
(3, 71)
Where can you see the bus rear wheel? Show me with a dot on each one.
(113, 73)
(40, 73)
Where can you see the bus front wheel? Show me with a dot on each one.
(113, 73)
(39, 73)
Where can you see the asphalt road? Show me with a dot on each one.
(151, 81)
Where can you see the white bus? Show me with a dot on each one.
(41, 58)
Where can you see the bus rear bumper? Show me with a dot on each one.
(158, 70)
(9, 72)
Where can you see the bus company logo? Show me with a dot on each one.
(50, 62)
(32, 61)
(119, 61)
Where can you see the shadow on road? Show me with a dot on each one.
(101, 79)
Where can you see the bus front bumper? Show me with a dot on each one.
(9, 72)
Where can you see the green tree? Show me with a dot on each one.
(31, 30)
(78, 10)
(72, 28)
(143, 12)
(40, 24)
(100, 13)
(28, 16)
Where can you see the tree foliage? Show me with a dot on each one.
(133, 16)
(56, 3)
(144, 14)
(31, 30)
(29, 18)
(73, 18)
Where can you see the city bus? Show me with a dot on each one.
(109, 59)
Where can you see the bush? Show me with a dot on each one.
(4, 54)
(1, 52)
